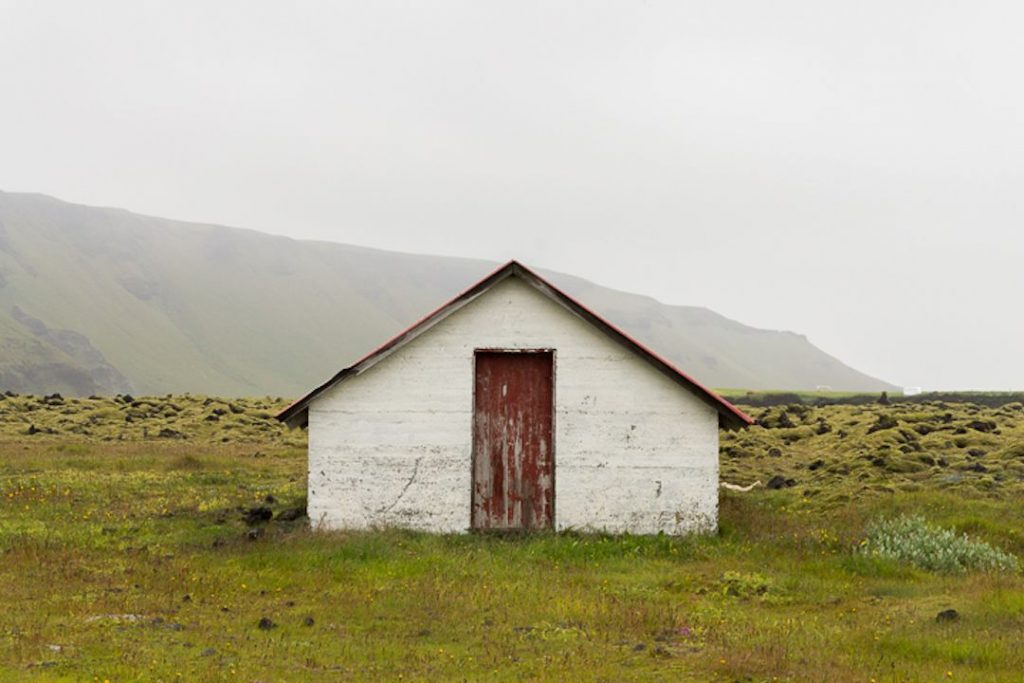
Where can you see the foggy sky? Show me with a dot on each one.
(848, 171)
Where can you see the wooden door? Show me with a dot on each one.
(513, 454)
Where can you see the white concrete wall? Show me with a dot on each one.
(634, 451)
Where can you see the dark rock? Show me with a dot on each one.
(817, 464)
(236, 409)
(907, 436)
(779, 482)
(255, 534)
(947, 615)
(269, 499)
(258, 515)
(639, 647)
(308, 621)
(266, 624)
(976, 453)
(775, 452)
(186, 598)
(884, 399)
(166, 433)
(883, 422)
(798, 409)
(976, 467)
(291, 515)
(981, 425)
(33, 430)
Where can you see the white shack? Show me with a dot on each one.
(513, 406)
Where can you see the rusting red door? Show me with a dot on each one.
(513, 458)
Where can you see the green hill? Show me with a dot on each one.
(98, 300)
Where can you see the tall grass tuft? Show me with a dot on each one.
(913, 540)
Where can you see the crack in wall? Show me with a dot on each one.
(415, 472)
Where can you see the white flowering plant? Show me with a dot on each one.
(913, 540)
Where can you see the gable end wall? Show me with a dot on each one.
(633, 450)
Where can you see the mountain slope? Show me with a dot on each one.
(96, 300)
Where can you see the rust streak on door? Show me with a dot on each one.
(513, 459)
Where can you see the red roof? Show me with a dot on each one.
(729, 415)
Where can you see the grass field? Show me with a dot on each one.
(124, 556)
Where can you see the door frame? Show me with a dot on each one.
(472, 426)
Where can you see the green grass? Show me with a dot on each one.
(123, 556)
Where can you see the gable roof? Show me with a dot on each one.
(297, 414)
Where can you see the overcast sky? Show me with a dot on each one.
(848, 170)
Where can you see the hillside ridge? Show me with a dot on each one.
(103, 300)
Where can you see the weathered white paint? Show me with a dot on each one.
(634, 451)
